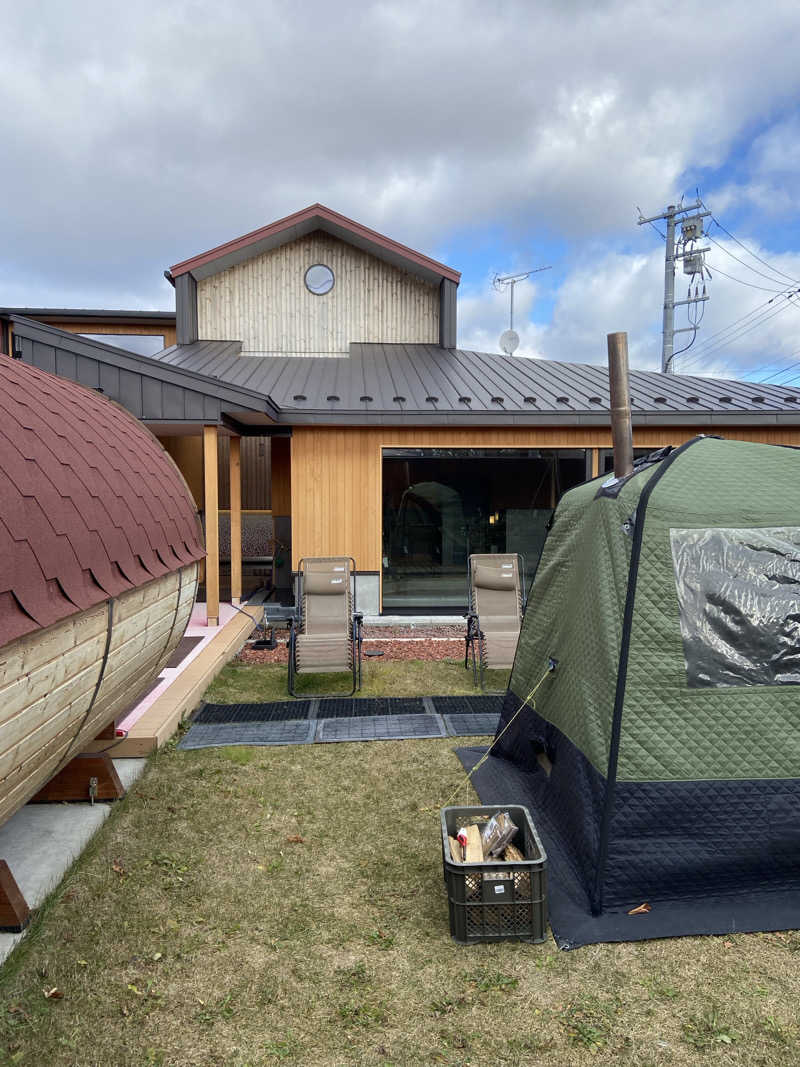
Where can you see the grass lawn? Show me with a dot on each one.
(258, 906)
(247, 683)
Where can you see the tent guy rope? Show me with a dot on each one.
(527, 702)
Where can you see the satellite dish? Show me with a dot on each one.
(509, 341)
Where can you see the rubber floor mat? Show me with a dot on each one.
(369, 706)
(473, 725)
(379, 728)
(219, 734)
(277, 711)
(469, 705)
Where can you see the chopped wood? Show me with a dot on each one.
(455, 849)
(512, 854)
(474, 844)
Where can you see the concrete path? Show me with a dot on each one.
(41, 841)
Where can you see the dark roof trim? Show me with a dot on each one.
(319, 417)
(122, 318)
(221, 397)
(315, 217)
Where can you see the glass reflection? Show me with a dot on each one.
(440, 505)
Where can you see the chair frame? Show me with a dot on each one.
(474, 635)
(296, 626)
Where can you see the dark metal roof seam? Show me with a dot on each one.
(445, 371)
(476, 373)
(539, 387)
(459, 381)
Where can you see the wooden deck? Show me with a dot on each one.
(160, 721)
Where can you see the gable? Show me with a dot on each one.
(264, 303)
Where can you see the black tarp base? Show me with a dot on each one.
(571, 921)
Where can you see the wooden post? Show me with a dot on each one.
(236, 520)
(211, 486)
(14, 913)
(74, 782)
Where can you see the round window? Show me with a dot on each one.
(319, 279)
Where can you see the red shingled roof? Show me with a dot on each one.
(90, 504)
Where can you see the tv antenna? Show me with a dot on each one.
(509, 339)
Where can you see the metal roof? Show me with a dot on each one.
(122, 318)
(315, 217)
(150, 389)
(392, 384)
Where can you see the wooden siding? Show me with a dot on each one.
(255, 460)
(167, 331)
(336, 473)
(48, 678)
(187, 451)
(264, 303)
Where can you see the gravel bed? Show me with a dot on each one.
(396, 643)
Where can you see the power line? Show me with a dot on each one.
(743, 332)
(763, 288)
(749, 251)
(736, 328)
(783, 371)
(762, 313)
(760, 273)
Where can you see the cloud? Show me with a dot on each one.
(743, 329)
(140, 135)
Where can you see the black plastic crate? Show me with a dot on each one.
(493, 901)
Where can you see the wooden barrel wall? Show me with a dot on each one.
(50, 702)
(99, 550)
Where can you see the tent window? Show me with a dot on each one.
(739, 598)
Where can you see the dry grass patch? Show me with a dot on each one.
(261, 906)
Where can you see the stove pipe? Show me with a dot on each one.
(621, 430)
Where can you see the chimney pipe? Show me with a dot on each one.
(621, 430)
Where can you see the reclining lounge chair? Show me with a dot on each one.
(496, 606)
(326, 636)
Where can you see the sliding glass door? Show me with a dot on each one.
(442, 504)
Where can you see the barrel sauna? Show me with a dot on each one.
(99, 550)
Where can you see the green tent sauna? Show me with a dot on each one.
(661, 753)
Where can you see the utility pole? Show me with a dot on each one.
(691, 218)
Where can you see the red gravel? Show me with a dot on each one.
(396, 643)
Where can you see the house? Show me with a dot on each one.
(315, 379)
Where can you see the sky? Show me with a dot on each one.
(495, 138)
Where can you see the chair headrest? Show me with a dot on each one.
(494, 577)
(324, 584)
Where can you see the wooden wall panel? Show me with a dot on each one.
(336, 473)
(167, 331)
(264, 302)
(187, 451)
(255, 460)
